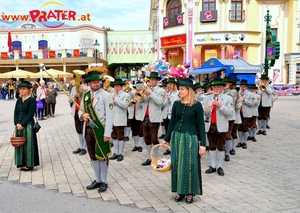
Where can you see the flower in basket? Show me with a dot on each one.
(100, 69)
(164, 162)
(95, 73)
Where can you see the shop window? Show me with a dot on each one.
(297, 73)
(208, 5)
(174, 14)
(237, 13)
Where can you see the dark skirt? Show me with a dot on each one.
(186, 166)
(27, 155)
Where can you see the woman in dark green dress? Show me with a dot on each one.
(27, 156)
(185, 130)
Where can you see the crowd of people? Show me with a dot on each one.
(8, 90)
(217, 116)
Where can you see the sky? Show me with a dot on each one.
(115, 14)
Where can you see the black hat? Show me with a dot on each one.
(25, 84)
(227, 79)
(253, 86)
(197, 85)
(186, 82)
(244, 82)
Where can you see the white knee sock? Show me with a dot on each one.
(121, 147)
(234, 143)
(82, 141)
(228, 146)
(104, 170)
(220, 156)
(141, 142)
(136, 140)
(127, 131)
(149, 147)
(213, 155)
(97, 170)
(163, 130)
(241, 137)
(259, 123)
(116, 146)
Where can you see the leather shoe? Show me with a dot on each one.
(126, 139)
(244, 146)
(264, 132)
(103, 187)
(220, 171)
(114, 157)
(227, 158)
(135, 149)
(162, 136)
(179, 198)
(120, 158)
(94, 185)
(210, 170)
(232, 152)
(254, 139)
(147, 162)
(249, 138)
(77, 151)
(259, 132)
(239, 145)
(82, 152)
(140, 149)
(167, 152)
(268, 127)
(189, 200)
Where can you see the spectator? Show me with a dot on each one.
(51, 100)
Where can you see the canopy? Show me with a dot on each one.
(17, 74)
(54, 73)
(206, 70)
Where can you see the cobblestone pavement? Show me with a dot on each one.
(262, 178)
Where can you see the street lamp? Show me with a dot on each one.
(96, 46)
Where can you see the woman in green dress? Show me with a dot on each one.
(27, 156)
(185, 130)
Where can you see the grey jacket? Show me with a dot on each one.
(121, 104)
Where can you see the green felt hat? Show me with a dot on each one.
(197, 86)
(264, 77)
(244, 82)
(186, 82)
(25, 84)
(119, 81)
(227, 79)
(217, 82)
(93, 76)
(154, 75)
(171, 80)
(253, 86)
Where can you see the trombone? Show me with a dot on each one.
(262, 87)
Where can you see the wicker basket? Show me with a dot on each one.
(17, 141)
(154, 161)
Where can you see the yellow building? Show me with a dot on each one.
(194, 30)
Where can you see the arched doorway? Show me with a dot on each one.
(43, 45)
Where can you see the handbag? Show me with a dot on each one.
(39, 105)
(36, 126)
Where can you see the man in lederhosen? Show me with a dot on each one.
(98, 114)
(256, 100)
(219, 108)
(266, 94)
(152, 103)
(121, 101)
(246, 113)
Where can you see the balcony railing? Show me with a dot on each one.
(48, 54)
(237, 15)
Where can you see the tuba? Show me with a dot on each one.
(78, 75)
(262, 87)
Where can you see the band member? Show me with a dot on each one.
(107, 82)
(152, 101)
(246, 113)
(231, 91)
(219, 107)
(77, 93)
(274, 98)
(128, 88)
(98, 113)
(265, 91)
(171, 97)
(199, 95)
(121, 102)
(162, 127)
(256, 99)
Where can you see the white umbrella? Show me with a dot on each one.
(55, 74)
(17, 74)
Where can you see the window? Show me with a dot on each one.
(208, 5)
(173, 7)
(236, 12)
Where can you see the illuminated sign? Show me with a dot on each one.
(173, 40)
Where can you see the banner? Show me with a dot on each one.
(210, 54)
(196, 62)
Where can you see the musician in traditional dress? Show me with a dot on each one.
(98, 116)
(77, 94)
(256, 99)
(265, 90)
(219, 108)
(121, 102)
(152, 102)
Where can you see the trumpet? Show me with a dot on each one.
(262, 87)
(139, 95)
(128, 87)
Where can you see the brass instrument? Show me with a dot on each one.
(106, 84)
(262, 87)
(43, 67)
(128, 87)
(141, 88)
